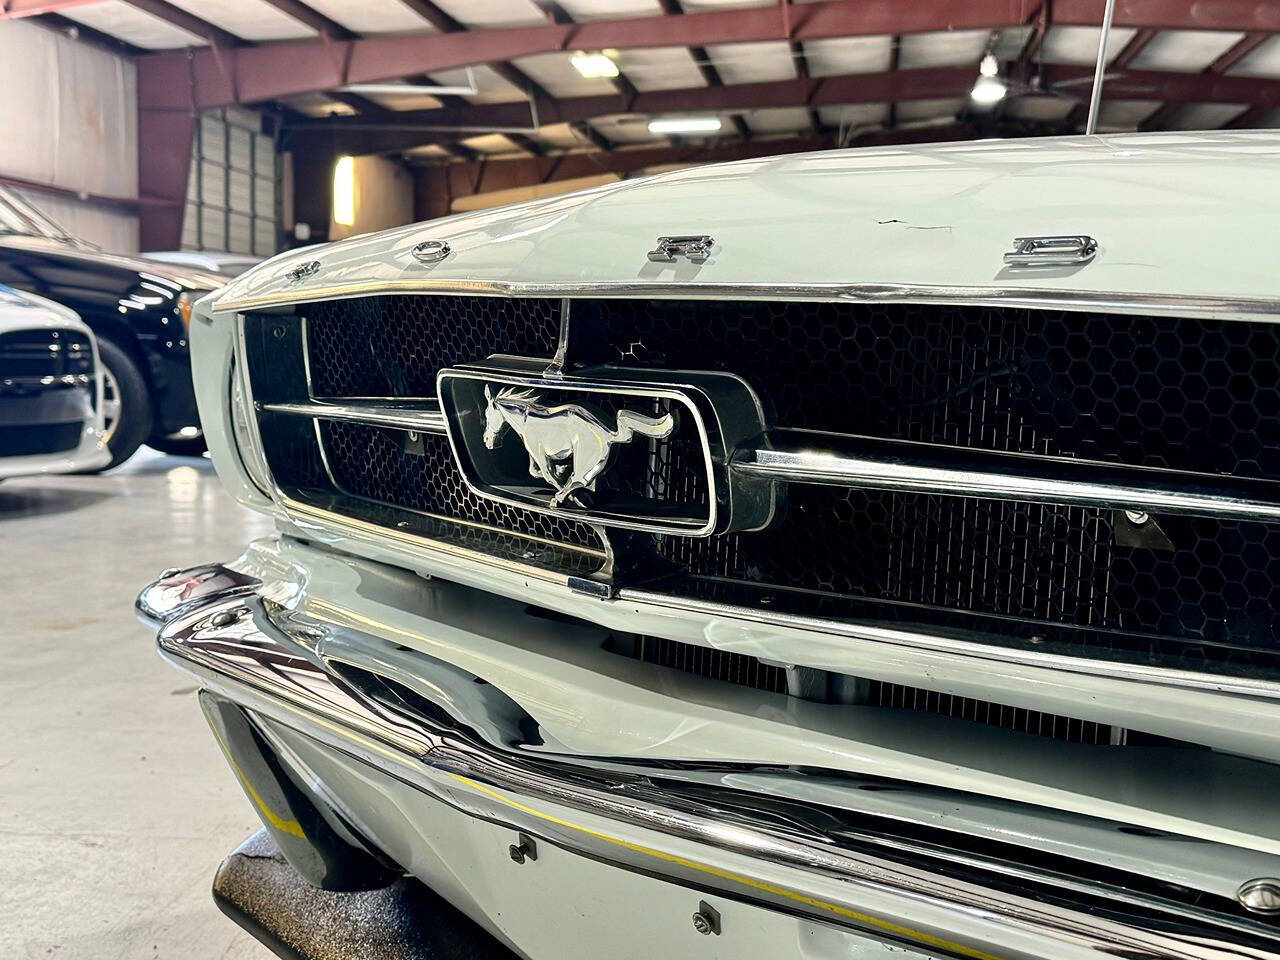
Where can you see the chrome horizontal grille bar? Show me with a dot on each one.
(904, 468)
(921, 468)
(423, 416)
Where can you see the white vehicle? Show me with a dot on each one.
(51, 404)
(869, 553)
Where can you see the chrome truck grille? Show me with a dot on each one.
(1069, 482)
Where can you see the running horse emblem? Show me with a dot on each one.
(568, 445)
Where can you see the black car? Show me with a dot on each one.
(138, 309)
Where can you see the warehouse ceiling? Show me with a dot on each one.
(523, 106)
(846, 71)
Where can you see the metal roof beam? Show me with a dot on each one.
(503, 174)
(1239, 50)
(88, 35)
(254, 74)
(1244, 15)
(177, 17)
(929, 83)
(1131, 49)
(890, 86)
(507, 173)
(309, 17)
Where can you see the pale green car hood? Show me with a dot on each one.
(1174, 215)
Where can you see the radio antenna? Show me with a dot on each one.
(1095, 100)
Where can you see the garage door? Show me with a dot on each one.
(231, 193)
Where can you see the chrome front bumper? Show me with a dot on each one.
(464, 744)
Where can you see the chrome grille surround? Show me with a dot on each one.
(1199, 498)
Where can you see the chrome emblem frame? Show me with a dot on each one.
(568, 445)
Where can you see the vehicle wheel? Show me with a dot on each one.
(126, 404)
(179, 446)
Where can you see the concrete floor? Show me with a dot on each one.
(115, 804)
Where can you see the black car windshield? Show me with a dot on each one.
(18, 216)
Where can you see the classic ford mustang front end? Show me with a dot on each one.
(858, 554)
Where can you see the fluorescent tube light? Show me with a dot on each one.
(684, 125)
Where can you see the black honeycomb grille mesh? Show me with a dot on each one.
(660, 472)
(1165, 393)
(393, 346)
(1168, 392)
(1219, 582)
(374, 464)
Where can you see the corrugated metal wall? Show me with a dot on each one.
(69, 119)
(232, 196)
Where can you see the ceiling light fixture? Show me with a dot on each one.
(988, 91)
(685, 125)
(595, 66)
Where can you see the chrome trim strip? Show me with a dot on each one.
(240, 358)
(426, 418)
(377, 535)
(830, 468)
(234, 649)
(1035, 297)
(445, 553)
(940, 643)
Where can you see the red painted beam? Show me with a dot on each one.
(164, 162)
(889, 86)
(13, 9)
(1234, 15)
(461, 179)
(160, 9)
(1175, 87)
(395, 132)
(437, 186)
(1242, 48)
(279, 70)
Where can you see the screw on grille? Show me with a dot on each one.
(707, 920)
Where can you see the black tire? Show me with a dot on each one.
(133, 425)
(179, 446)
